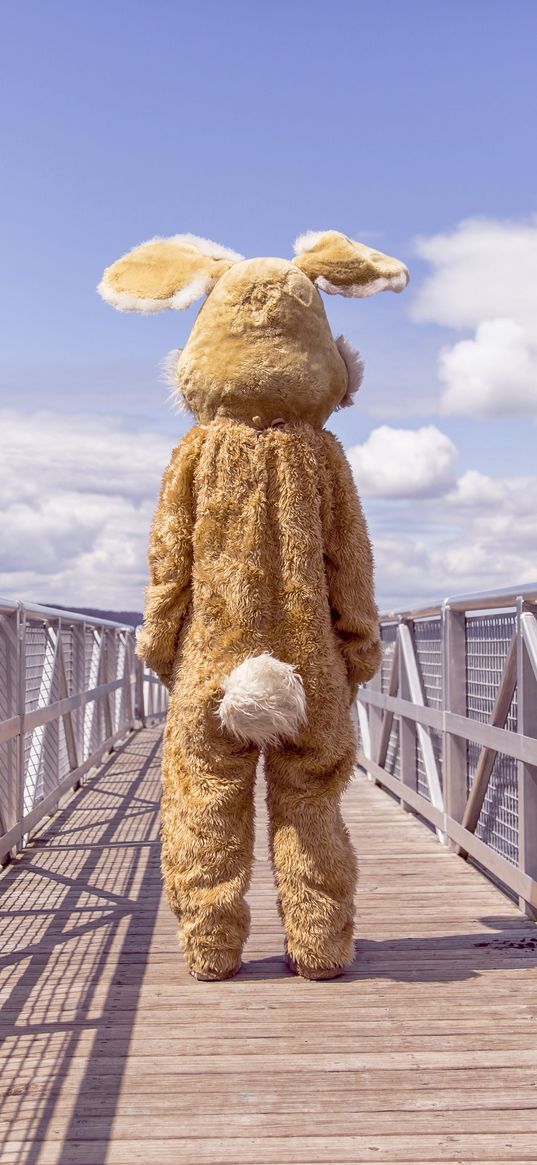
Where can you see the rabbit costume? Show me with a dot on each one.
(260, 613)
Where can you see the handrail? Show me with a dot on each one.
(474, 601)
(449, 725)
(71, 686)
(36, 609)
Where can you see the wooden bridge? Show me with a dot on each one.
(425, 1051)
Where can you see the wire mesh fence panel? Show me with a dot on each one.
(118, 694)
(488, 638)
(8, 668)
(392, 755)
(68, 649)
(42, 689)
(64, 762)
(428, 642)
(9, 749)
(487, 643)
(421, 772)
(66, 694)
(8, 784)
(459, 716)
(49, 775)
(35, 643)
(91, 656)
(76, 681)
(388, 635)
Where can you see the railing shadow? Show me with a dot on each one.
(79, 951)
(506, 944)
(449, 958)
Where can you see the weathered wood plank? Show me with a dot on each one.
(298, 1150)
(238, 1125)
(227, 1099)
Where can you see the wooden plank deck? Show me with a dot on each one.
(426, 1051)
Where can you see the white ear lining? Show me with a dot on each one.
(355, 369)
(126, 301)
(395, 282)
(199, 286)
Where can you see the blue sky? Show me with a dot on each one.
(248, 124)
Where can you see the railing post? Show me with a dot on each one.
(527, 773)
(454, 700)
(408, 754)
(139, 675)
(109, 674)
(21, 707)
(11, 755)
(68, 727)
(128, 668)
(78, 672)
(375, 715)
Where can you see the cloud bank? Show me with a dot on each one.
(78, 495)
(77, 498)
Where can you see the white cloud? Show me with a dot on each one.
(481, 492)
(77, 496)
(494, 374)
(482, 536)
(482, 269)
(85, 452)
(404, 463)
(483, 278)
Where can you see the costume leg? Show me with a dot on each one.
(313, 858)
(207, 841)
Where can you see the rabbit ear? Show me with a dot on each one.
(341, 266)
(165, 273)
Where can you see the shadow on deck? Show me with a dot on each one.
(425, 1051)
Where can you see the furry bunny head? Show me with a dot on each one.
(261, 349)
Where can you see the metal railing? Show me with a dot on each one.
(70, 687)
(449, 725)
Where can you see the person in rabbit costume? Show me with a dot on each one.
(260, 613)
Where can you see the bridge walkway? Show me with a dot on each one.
(425, 1052)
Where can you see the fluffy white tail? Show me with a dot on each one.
(264, 701)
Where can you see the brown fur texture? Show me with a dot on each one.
(259, 545)
(341, 266)
(262, 347)
(281, 563)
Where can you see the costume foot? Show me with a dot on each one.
(211, 975)
(313, 972)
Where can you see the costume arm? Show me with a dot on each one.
(349, 568)
(170, 559)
